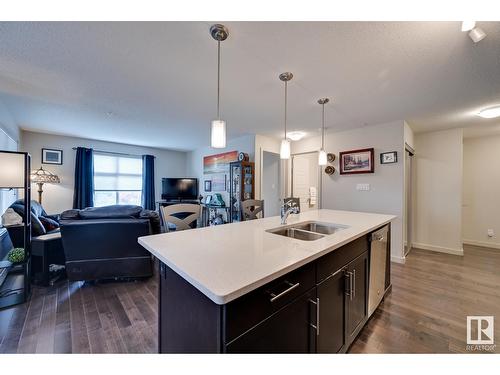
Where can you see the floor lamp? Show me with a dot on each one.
(15, 174)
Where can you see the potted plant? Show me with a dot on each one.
(16, 255)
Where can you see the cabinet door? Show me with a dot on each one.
(287, 331)
(357, 299)
(331, 297)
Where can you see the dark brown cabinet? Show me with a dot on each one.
(319, 308)
(357, 295)
(331, 296)
(287, 331)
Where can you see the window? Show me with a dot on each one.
(117, 179)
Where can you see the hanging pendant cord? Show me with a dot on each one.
(286, 87)
(218, 80)
(323, 128)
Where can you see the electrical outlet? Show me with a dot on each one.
(363, 187)
(491, 233)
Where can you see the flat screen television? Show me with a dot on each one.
(179, 188)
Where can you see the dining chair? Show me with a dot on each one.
(250, 208)
(181, 215)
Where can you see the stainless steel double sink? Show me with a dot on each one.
(307, 231)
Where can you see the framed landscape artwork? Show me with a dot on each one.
(357, 161)
(219, 163)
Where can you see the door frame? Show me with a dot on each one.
(408, 195)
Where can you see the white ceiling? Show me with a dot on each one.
(159, 79)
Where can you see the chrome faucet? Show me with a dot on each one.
(286, 210)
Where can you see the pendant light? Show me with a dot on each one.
(285, 143)
(322, 153)
(218, 132)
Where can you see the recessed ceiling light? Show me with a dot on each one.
(296, 136)
(490, 112)
(468, 25)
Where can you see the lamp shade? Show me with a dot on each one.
(12, 171)
(285, 149)
(44, 177)
(218, 139)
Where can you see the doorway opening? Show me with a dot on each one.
(271, 183)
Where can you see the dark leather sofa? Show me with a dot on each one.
(101, 242)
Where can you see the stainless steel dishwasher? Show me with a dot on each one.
(378, 263)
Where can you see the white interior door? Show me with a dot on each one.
(305, 180)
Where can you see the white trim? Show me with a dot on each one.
(439, 249)
(400, 260)
(492, 245)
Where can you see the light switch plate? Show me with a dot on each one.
(363, 187)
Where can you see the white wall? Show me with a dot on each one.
(438, 191)
(8, 124)
(481, 195)
(195, 159)
(57, 198)
(386, 184)
(409, 137)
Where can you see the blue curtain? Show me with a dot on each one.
(83, 195)
(148, 182)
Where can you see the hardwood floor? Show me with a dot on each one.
(431, 297)
(425, 313)
(73, 317)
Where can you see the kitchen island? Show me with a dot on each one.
(257, 286)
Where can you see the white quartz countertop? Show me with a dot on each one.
(227, 261)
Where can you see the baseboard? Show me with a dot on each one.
(401, 260)
(491, 245)
(439, 249)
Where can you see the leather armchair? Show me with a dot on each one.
(101, 242)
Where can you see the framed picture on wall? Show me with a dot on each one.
(219, 182)
(357, 161)
(389, 157)
(51, 156)
(208, 185)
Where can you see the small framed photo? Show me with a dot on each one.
(357, 161)
(50, 156)
(389, 157)
(208, 185)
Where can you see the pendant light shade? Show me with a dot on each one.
(218, 132)
(285, 149)
(285, 143)
(322, 159)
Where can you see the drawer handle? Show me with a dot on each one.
(354, 283)
(274, 297)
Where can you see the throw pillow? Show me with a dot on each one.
(48, 223)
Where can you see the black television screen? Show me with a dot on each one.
(179, 188)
